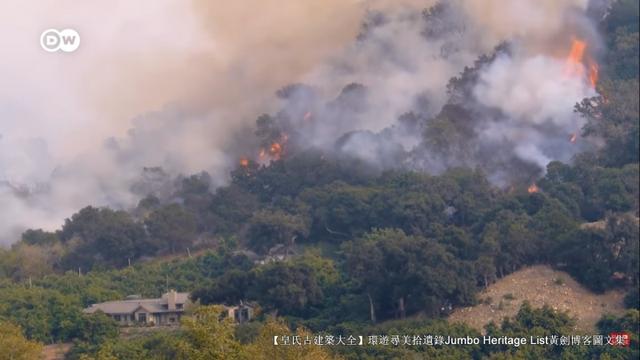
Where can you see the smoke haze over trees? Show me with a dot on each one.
(349, 166)
(375, 82)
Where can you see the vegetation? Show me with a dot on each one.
(14, 346)
(366, 252)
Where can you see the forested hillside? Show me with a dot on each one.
(367, 249)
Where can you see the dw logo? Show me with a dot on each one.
(67, 40)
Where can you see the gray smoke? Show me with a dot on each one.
(509, 114)
(178, 85)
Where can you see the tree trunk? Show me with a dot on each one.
(486, 282)
(402, 310)
(372, 311)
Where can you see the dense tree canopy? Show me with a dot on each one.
(14, 346)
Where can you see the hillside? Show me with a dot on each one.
(540, 285)
(423, 184)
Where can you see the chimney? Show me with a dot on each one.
(172, 297)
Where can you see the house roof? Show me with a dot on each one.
(129, 306)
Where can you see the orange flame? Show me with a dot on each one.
(533, 188)
(593, 74)
(244, 162)
(575, 63)
(275, 149)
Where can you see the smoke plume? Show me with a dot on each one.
(178, 85)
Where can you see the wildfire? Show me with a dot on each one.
(533, 188)
(244, 162)
(593, 74)
(574, 138)
(275, 150)
(576, 63)
(271, 152)
(574, 60)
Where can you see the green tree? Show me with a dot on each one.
(262, 348)
(629, 323)
(14, 346)
(287, 288)
(230, 288)
(26, 262)
(98, 327)
(101, 236)
(208, 335)
(614, 115)
(403, 274)
(230, 208)
(341, 211)
(171, 228)
(39, 237)
(44, 315)
(593, 255)
(270, 227)
(528, 322)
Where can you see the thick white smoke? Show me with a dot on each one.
(189, 74)
(533, 93)
(521, 103)
(169, 83)
(533, 90)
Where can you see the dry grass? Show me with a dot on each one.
(540, 285)
(596, 225)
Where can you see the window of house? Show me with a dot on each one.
(116, 317)
(142, 317)
(172, 319)
(179, 306)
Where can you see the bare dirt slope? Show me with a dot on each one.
(540, 285)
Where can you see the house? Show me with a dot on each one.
(166, 310)
(241, 313)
